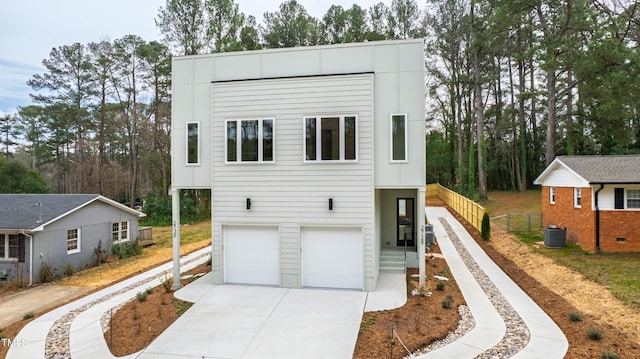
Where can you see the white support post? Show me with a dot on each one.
(175, 203)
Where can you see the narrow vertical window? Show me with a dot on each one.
(577, 197)
(618, 194)
(2, 246)
(399, 138)
(350, 138)
(73, 240)
(249, 140)
(267, 140)
(193, 134)
(232, 144)
(115, 232)
(330, 140)
(124, 231)
(310, 138)
(552, 195)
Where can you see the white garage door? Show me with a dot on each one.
(251, 255)
(332, 257)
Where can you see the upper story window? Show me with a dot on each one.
(330, 138)
(249, 140)
(73, 240)
(10, 246)
(552, 195)
(633, 198)
(577, 197)
(193, 143)
(120, 232)
(399, 138)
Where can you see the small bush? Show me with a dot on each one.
(575, 317)
(167, 284)
(485, 232)
(149, 290)
(126, 249)
(594, 334)
(440, 285)
(101, 254)
(609, 355)
(141, 296)
(449, 297)
(446, 304)
(68, 270)
(29, 315)
(47, 273)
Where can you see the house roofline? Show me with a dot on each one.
(97, 198)
(293, 77)
(552, 166)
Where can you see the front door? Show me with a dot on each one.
(406, 222)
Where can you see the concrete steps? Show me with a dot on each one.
(392, 261)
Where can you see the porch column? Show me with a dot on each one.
(175, 214)
(421, 220)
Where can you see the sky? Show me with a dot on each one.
(29, 29)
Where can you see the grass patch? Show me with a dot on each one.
(180, 306)
(594, 334)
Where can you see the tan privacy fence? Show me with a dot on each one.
(467, 208)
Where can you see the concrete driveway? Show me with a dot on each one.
(232, 321)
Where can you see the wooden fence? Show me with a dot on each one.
(471, 211)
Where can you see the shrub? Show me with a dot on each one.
(68, 269)
(485, 232)
(575, 317)
(101, 254)
(609, 355)
(446, 304)
(167, 284)
(141, 296)
(149, 290)
(449, 297)
(440, 285)
(47, 273)
(29, 315)
(126, 249)
(594, 334)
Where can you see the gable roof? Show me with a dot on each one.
(598, 169)
(33, 212)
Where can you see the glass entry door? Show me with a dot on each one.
(406, 222)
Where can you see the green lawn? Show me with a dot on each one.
(619, 272)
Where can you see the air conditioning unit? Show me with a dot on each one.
(555, 237)
(429, 237)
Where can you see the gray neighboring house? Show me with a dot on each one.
(58, 229)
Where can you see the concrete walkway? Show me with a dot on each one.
(545, 339)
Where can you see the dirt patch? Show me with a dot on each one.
(560, 291)
(419, 322)
(138, 323)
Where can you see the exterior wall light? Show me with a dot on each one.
(331, 204)
(248, 203)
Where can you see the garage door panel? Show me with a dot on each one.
(332, 257)
(251, 255)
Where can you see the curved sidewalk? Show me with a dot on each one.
(464, 256)
(84, 333)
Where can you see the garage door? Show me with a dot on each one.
(251, 255)
(332, 257)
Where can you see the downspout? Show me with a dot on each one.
(598, 217)
(30, 260)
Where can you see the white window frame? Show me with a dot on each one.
(628, 197)
(119, 231)
(260, 141)
(577, 197)
(552, 195)
(78, 240)
(318, 119)
(197, 163)
(406, 138)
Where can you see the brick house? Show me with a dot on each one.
(596, 199)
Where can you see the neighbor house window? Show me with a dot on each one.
(73, 240)
(12, 247)
(552, 195)
(193, 143)
(399, 138)
(120, 232)
(577, 197)
(633, 198)
(249, 140)
(330, 138)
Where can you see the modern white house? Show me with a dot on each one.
(315, 157)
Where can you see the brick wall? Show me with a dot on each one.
(620, 224)
(579, 222)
